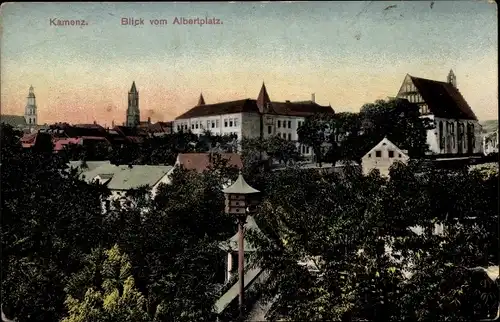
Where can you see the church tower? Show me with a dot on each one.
(452, 79)
(133, 114)
(30, 114)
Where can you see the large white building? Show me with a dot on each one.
(251, 118)
(457, 130)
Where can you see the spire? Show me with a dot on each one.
(201, 100)
(31, 92)
(263, 99)
(452, 79)
(133, 89)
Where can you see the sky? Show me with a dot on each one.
(347, 53)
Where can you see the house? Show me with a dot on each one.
(382, 156)
(251, 118)
(457, 130)
(122, 178)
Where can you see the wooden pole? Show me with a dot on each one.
(241, 266)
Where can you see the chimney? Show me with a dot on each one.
(149, 120)
(313, 97)
(113, 123)
(95, 122)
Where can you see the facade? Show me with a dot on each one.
(133, 116)
(382, 157)
(457, 130)
(490, 143)
(250, 118)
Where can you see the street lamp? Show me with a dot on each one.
(240, 201)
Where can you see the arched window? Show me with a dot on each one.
(441, 135)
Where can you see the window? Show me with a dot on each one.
(369, 155)
(289, 124)
(217, 123)
(213, 124)
(208, 124)
(279, 124)
(307, 150)
(399, 155)
(235, 122)
(196, 124)
(441, 136)
(391, 154)
(192, 126)
(284, 136)
(278, 134)
(289, 136)
(230, 122)
(225, 122)
(378, 154)
(299, 123)
(269, 129)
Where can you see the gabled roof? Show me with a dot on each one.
(13, 120)
(250, 106)
(201, 161)
(443, 99)
(91, 165)
(385, 143)
(124, 177)
(138, 176)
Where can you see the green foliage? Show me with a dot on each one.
(116, 299)
(342, 226)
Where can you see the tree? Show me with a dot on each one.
(315, 131)
(399, 121)
(116, 299)
(364, 261)
(49, 219)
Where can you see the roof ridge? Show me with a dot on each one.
(430, 80)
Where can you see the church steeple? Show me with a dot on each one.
(263, 100)
(201, 100)
(133, 113)
(452, 79)
(30, 111)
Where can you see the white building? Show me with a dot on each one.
(122, 178)
(457, 130)
(382, 157)
(251, 118)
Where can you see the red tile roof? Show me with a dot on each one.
(250, 106)
(59, 144)
(443, 99)
(201, 161)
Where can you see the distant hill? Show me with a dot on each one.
(489, 126)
